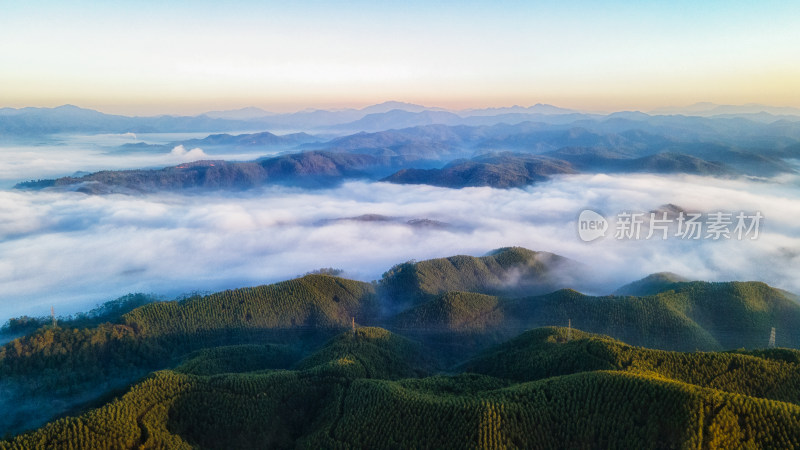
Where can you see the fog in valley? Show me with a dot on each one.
(72, 250)
(69, 155)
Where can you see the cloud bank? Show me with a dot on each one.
(82, 154)
(180, 154)
(72, 250)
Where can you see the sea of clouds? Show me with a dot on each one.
(73, 250)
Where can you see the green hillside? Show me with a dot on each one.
(652, 284)
(512, 271)
(647, 321)
(150, 333)
(315, 301)
(454, 312)
(463, 318)
(692, 316)
(598, 404)
(72, 367)
(738, 314)
(369, 353)
(238, 356)
(548, 352)
(586, 410)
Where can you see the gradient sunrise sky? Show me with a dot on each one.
(151, 57)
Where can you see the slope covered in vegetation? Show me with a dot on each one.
(652, 284)
(69, 367)
(313, 301)
(512, 271)
(631, 407)
(229, 362)
(692, 316)
(546, 352)
(370, 353)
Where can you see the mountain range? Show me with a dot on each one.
(388, 115)
(72, 119)
(500, 155)
(752, 110)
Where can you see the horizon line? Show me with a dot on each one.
(658, 110)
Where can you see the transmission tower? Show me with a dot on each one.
(569, 329)
(772, 338)
(53, 315)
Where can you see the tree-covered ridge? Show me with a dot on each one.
(499, 170)
(230, 398)
(313, 301)
(458, 312)
(370, 352)
(239, 358)
(70, 366)
(80, 365)
(312, 169)
(652, 284)
(586, 410)
(693, 316)
(512, 271)
(107, 312)
(547, 352)
(738, 314)
(628, 407)
(152, 331)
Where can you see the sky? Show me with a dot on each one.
(152, 57)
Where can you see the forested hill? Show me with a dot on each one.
(652, 284)
(308, 169)
(323, 168)
(311, 302)
(701, 316)
(512, 271)
(312, 346)
(68, 366)
(546, 352)
(549, 388)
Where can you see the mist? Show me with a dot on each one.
(62, 155)
(73, 250)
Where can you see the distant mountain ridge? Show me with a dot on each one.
(501, 155)
(391, 114)
(324, 168)
(713, 109)
(505, 170)
(308, 169)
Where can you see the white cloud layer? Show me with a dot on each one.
(180, 154)
(73, 250)
(71, 154)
